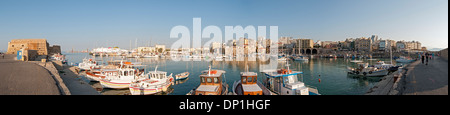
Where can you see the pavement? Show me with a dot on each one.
(24, 78)
(431, 79)
(75, 83)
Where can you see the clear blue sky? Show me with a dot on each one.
(82, 24)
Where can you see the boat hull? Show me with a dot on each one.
(404, 61)
(113, 84)
(134, 90)
(181, 76)
(237, 91)
(370, 74)
(93, 77)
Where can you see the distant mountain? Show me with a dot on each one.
(435, 49)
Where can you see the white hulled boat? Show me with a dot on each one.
(157, 81)
(128, 72)
(87, 64)
(285, 82)
(364, 70)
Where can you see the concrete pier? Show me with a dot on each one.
(39, 78)
(24, 78)
(416, 79)
(431, 79)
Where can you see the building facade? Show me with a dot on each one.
(363, 44)
(40, 45)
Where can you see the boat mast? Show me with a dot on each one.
(390, 51)
(287, 64)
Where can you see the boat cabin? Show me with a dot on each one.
(130, 71)
(285, 82)
(157, 74)
(109, 72)
(210, 83)
(249, 84)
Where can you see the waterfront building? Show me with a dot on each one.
(284, 40)
(268, 44)
(363, 44)
(384, 45)
(347, 45)
(230, 48)
(230, 51)
(54, 49)
(323, 44)
(146, 50)
(40, 45)
(304, 43)
(401, 46)
(317, 44)
(216, 47)
(424, 49)
(413, 45)
(282, 43)
(160, 48)
(408, 45)
(374, 38)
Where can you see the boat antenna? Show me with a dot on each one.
(121, 64)
(287, 64)
(390, 52)
(246, 67)
(209, 71)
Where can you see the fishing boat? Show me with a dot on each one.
(87, 64)
(364, 70)
(356, 61)
(150, 56)
(59, 57)
(301, 58)
(97, 74)
(404, 60)
(156, 82)
(285, 82)
(249, 85)
(181, 76)
(210, 83)
(282, 59)
(128, 72)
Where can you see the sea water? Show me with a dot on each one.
(332, 72)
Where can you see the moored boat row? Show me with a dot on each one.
(212, 81)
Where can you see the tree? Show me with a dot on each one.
(160, 50)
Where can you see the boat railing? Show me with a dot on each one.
(312, 89)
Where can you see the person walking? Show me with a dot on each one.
(423, 58)
(426, 57)
(3, 55)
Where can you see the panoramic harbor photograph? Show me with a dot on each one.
(218, 47)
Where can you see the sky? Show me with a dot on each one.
(86, 24)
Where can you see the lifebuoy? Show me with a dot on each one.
(357, 72)
(364, 73)
(370, 72)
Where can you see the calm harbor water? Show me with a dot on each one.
(331, 72)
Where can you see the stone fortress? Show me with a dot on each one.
(32, 48)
